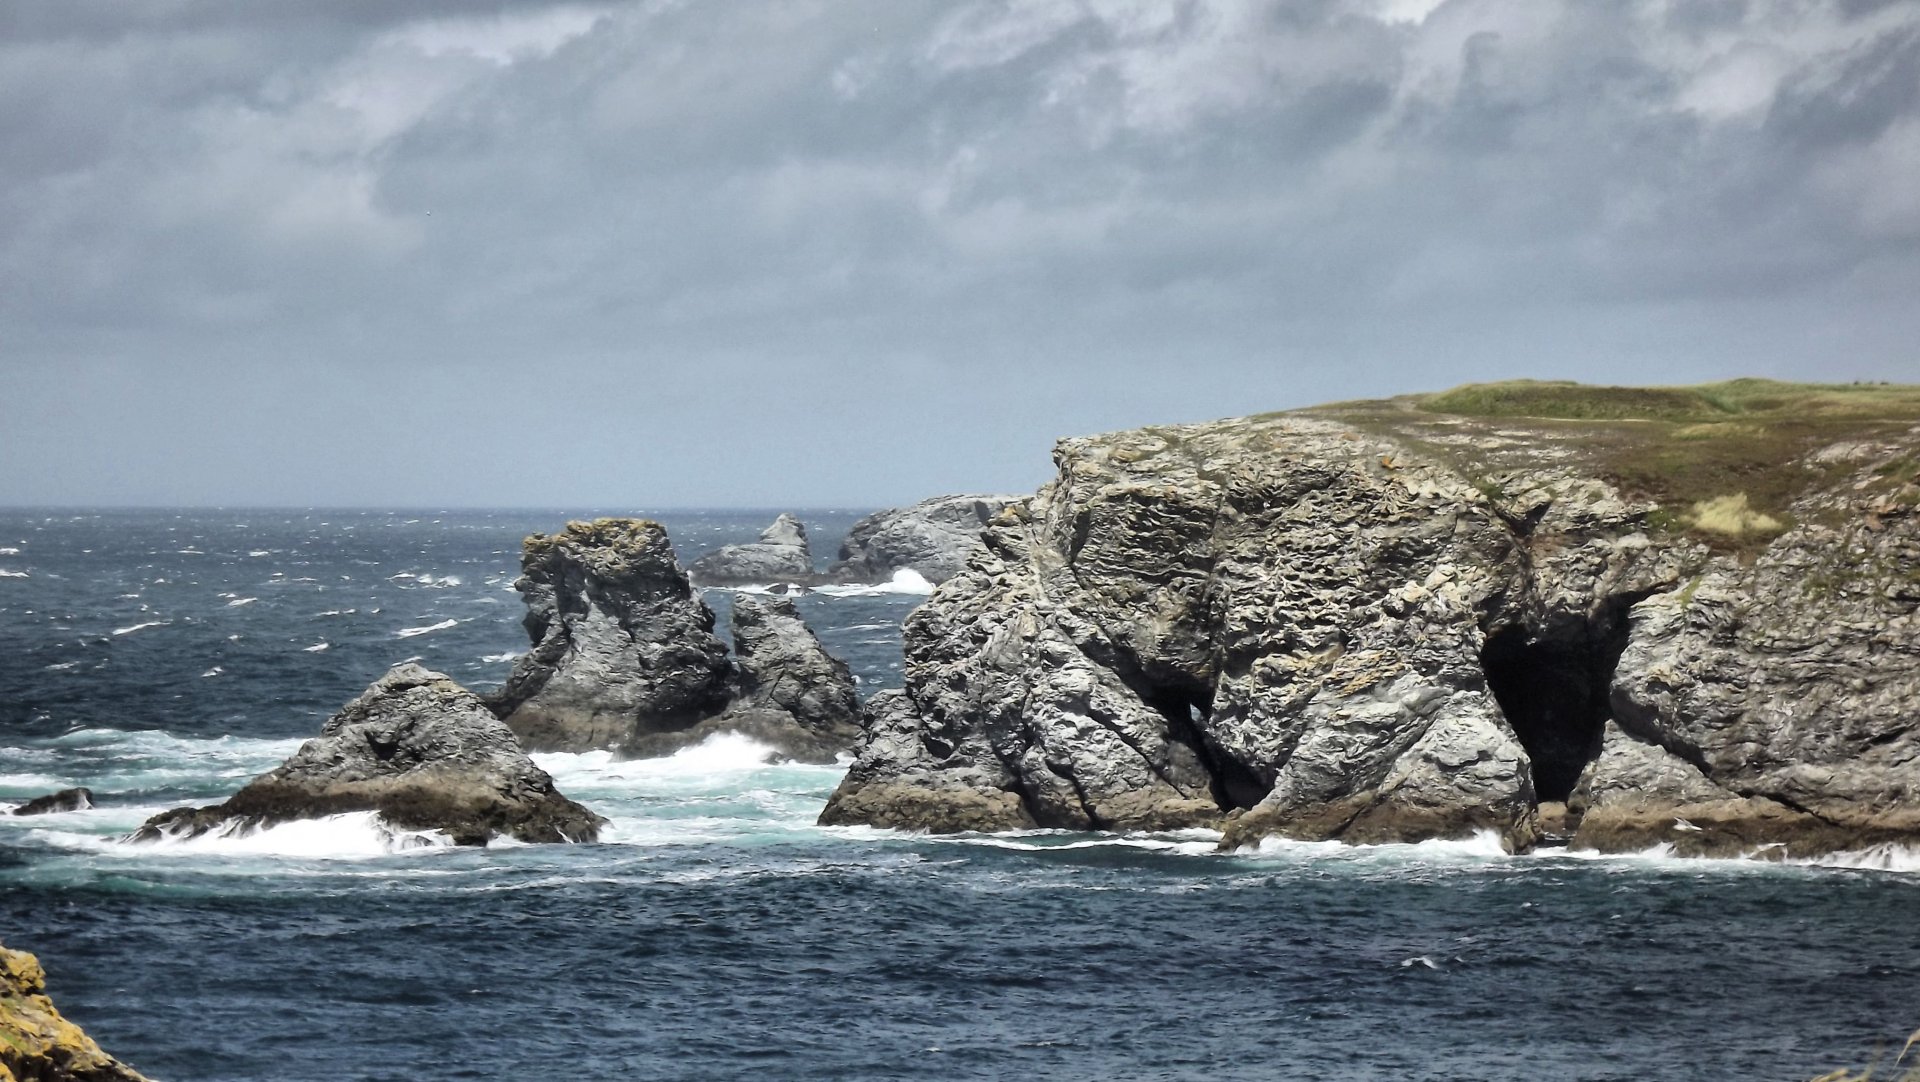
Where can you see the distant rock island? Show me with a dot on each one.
(1619, 617)
(931, 538)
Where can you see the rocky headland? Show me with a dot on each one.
(932, 537)
(624, 656)
(36, 1043)
(419, 749)
(1625, 617)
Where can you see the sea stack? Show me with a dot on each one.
(621, 645)
(419, 749)
(781, 555)
(1688, 615)
(933, 538)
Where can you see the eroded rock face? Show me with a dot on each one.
(36, 1043)
(1296, 625)
(420, 750)
(622, 646)
(66, 800)
(781, 555)
(933, 537)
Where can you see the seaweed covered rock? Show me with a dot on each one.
(1686, 614)
(781, 555)
(932, 537)
(621, 645)
(36, 1043)
(419, 749)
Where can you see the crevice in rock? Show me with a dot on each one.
(1186, 705)
(1556, 691)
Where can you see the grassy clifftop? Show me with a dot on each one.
(1732, 462)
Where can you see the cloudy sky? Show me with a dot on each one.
(853, 253)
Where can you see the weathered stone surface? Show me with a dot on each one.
(1382, 624)
(781, 555)
(36, 1043)
(66, 800)
(783, 666)
(932, 537)
(621, 645)
(420, 750)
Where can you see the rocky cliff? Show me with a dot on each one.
(36, 1043)
(419, 749)
(1687, 615)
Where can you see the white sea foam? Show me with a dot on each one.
(1886, 857)
(317, 647)
(347, 835)
(239, 601)
(495, 659)
(410, 632)
(141, 627)
(61, 666)
(256, 553)
(904, 581)
(6, 574)
(215, 671)
(9, 552)
(336, 612)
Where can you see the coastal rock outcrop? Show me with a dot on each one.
(781, 555)
(932, 537)
(1682, 613)
(621, 645)
(66, 800)
(36, 1043)
(625, 658)
(419, 749)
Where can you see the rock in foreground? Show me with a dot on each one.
(781, 555)
(621, 644)
(419, 749)
(1687, 614)
(36, 1043)
(933, 538)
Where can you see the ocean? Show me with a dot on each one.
(165, 657)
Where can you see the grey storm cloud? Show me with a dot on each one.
(714, 253)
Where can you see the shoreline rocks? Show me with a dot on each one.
(36, 1043)
(1384, 622)
(419, 749)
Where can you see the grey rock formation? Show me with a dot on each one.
(1379, 623)
(621, 645)
(933, 537)
(66, 800)
(781, 555)
(420, 750)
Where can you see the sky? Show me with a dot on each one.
(852, 254)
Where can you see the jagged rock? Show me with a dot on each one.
(1401, 620)
(781, 555)
(783, 666)
(622, 647)
(420, 750)
(933, 537)
(66, 800)
(36, 1043)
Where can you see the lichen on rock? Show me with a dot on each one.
(37, 1044)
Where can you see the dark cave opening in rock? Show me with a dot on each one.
(1187, 705)
(1555, 693)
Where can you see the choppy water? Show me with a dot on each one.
(718, 934)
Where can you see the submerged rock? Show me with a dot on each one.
(932, 537)
(1405, 620)
(781, 555)
(419, 749)
(621, 645)
(36, 1043)
(66, 800)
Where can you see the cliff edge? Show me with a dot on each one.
(1670, 616)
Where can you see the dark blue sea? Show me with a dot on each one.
(163, 658)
